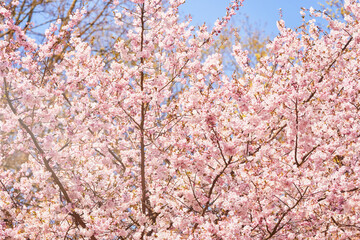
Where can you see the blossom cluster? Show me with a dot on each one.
(158, 142)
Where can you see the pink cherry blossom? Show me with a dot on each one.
(158, 141)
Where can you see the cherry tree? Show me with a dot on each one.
(163, 143)
(304, 159)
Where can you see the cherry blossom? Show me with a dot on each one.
(158, 141)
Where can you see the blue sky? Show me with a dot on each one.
(262, 12)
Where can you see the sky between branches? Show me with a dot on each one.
(263, 12)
